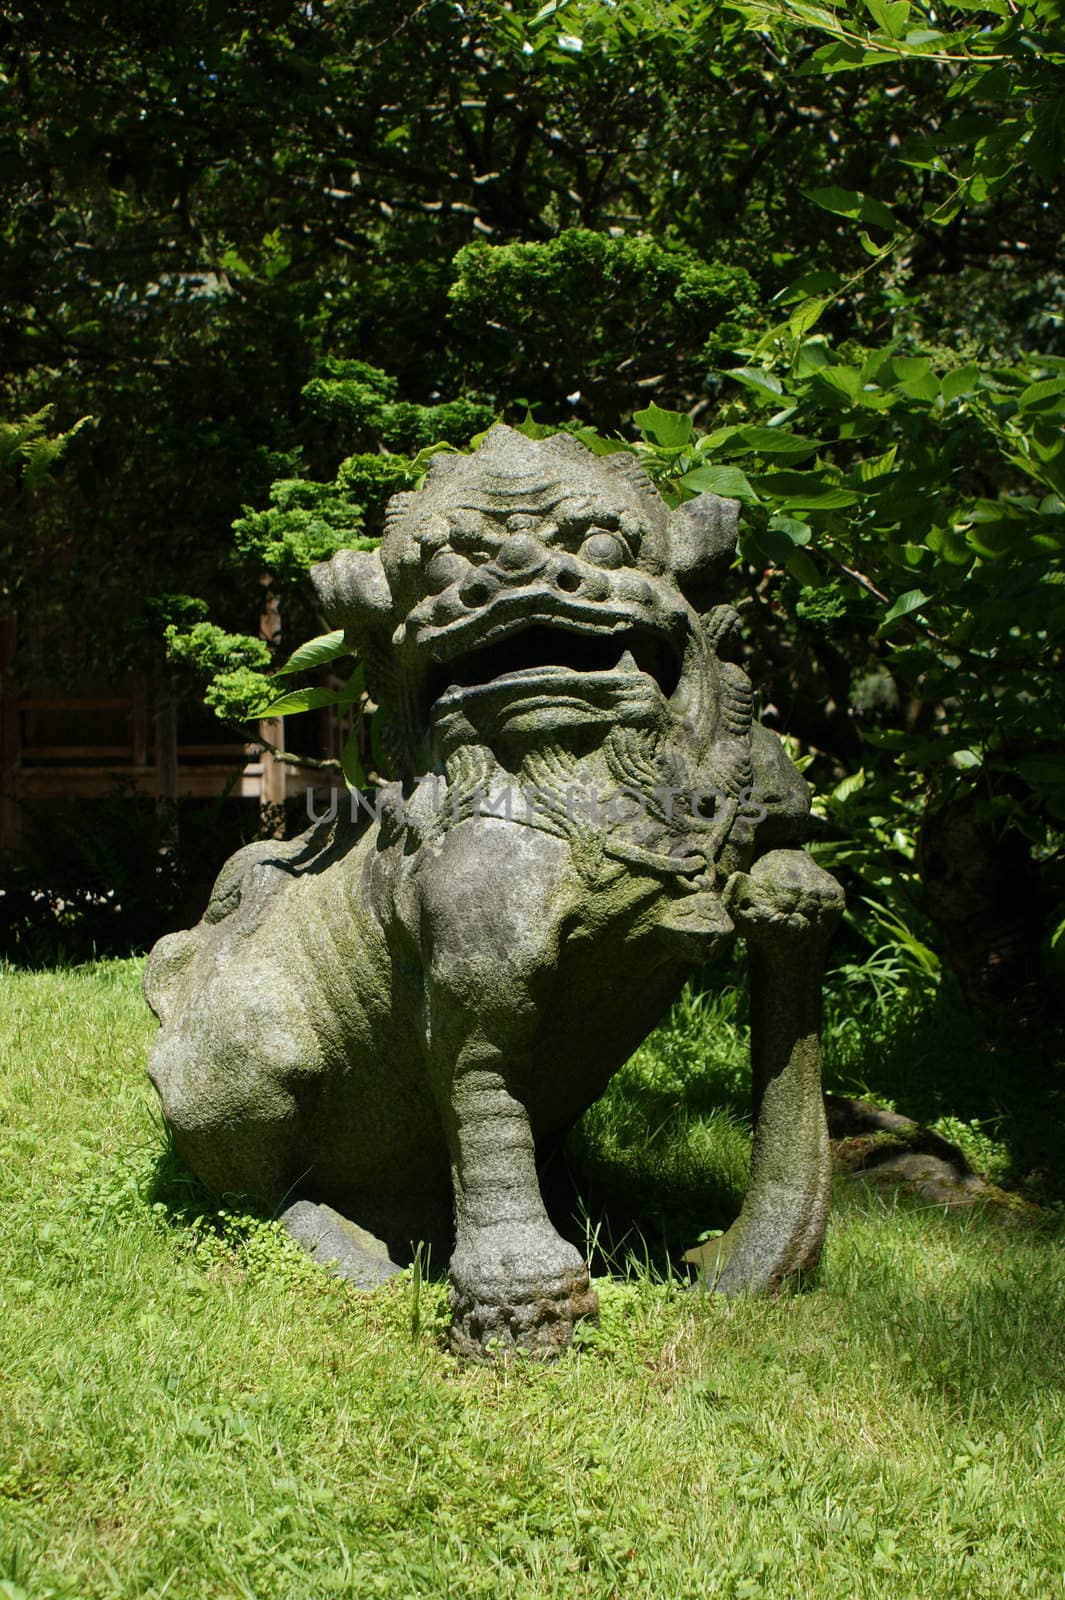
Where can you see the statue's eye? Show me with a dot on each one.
(473, 545)
(443, 570)
(604, 549)
(432, 536)
(474, 540)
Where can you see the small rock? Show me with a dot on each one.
(348, 1250)
(893, 1151)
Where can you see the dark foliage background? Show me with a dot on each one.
(274, 253)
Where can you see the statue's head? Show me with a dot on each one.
(530, 591)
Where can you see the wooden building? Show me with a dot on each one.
(128, 736)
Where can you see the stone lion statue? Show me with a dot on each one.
(375, 1024)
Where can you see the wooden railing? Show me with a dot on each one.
(154, 761)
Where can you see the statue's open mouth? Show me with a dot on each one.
(556, 661)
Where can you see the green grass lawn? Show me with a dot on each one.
(190, 1408)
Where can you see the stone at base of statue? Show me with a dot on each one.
(341, 1245)
(388, 1015)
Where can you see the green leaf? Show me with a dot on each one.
(964, 130)
(670, 429)
(782, 542)
(914, 376)
(303, 700)
(1041, 769)
(803, 491)
(779, 545)
(314, 698)
(908, 369)
(805, 317)
(1057, 944)
(1045, 150)
(831, 58)
(315, 653)
(421, 463)
(776, 442)
(906, 603)
(890, 17)
(919, 151)
(847, 787)
(943, 214)
(765, 384)
(820, 282)
(812, 356)
(845, 380)
(853, 204)
(826, 500)
(960, 382)
(1042, 396)
(998, 8)
(797, 533)
(545, 12)
(919, 36)
(814, 16)
(804, 570)
(727, 481)
(993, 540)
(594, 441)
(877, 466)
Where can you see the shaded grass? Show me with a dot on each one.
(664, 1156)
(191, 1408)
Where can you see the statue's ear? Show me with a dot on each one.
(353, 591)
(702, 538)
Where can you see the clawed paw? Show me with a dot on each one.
(499, 1306)
(784, 893)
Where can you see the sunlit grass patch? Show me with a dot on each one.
(192, 1409)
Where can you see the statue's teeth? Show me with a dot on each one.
(628, 663)
(453, 688)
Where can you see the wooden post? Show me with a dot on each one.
(166, 761)
(10, 738)
(139, 714)
(271, 729)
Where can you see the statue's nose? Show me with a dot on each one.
(521, 556)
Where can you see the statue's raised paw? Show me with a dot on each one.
(785, 894)
(518, 1294)
(697, 924)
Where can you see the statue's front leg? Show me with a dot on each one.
(486, 922)
(786, 909)
(515, 1284)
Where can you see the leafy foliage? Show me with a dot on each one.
(814, 250)
(194, 224)
(911, 513)
(233, 664)
(601, 318)
(916, 516)
(28, 451)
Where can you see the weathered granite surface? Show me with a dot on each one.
(385, 1017)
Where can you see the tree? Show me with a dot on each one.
(200, 208)
(303, 245)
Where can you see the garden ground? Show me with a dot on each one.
(190, 1408)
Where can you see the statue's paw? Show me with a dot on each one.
(696, 926)
(785, 893)
(517, 1291)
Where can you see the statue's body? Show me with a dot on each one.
(388, 1016)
